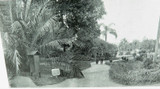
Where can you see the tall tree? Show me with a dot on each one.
(123, 45)
(31, 27)
(81, 17)
(108, 29)
(48, 25)
(135, 44)
(148, 45)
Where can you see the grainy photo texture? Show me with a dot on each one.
(81, 43)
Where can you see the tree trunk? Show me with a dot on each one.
(106, 36)
(157, 42)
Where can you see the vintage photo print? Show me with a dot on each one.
(80, 43)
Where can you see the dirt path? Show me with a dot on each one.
(95, 76)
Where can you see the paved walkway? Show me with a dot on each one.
(95, 76)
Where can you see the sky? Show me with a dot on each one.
(134, 19)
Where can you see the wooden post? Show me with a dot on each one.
(36, 65)
(31, 65)
(157, 42)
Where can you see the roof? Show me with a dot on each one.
(33, 53)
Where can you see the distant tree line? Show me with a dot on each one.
(147, 45)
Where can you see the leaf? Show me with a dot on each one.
(43, 29)
(28, 4)
(16, 26)
(103, 32)
(113, 32)
(42, 9)
(108, 29)
(16, 60)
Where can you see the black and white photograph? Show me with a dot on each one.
(80, 43)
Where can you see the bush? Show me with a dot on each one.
(128, 53)
(81, 58)
(139, 58)
(148, 63)
(133, 73)
(120, 53)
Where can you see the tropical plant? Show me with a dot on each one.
(31, 27)
(108, 29)
(51, 25)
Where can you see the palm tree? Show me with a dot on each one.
(33, 28)
(107, 30)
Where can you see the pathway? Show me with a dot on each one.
(95, 76)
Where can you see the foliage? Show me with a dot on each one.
(104, 47)
(123, 45)
(139, 58)
(108, 29)
(81, 58)
(147, 45)
(133, 73)
(51, 26)
(148, 63)
(128, 53)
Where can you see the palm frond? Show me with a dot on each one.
(16, 60)
(28, 4)
(103, 32)
(42, 8)
(108, 29)
(15, 26)
(19, 27)
(6, 38)
(19, 8)
(23, 23)
(113, 32)
(46, 27)
(51, 45)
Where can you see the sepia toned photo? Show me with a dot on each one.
(80, 43)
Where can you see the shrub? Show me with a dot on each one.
(128, 53)
(81, 58)
(120, 53)
(148, 63)
(133, 73)
(139, 58)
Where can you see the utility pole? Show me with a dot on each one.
(157, 42)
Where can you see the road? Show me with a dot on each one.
(95, 76)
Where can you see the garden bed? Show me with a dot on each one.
(133, 73)
(46, 78)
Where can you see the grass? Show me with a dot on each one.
(133, 73)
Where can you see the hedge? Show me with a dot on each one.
(133, 73)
